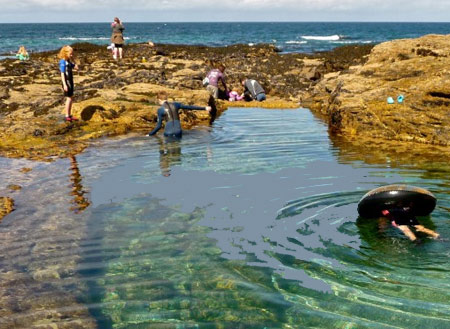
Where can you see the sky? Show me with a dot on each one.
(21, 11)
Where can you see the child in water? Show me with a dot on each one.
(22, 54)
(66, 65)
(403, 219)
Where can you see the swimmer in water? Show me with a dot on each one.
(403, 219)
(170, 113)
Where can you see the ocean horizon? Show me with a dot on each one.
(303, 37)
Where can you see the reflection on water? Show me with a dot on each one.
(252, 225)
(169, 154)
(80, 202)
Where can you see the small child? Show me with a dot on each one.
(234, 96)
(66, 65)
(22, 54)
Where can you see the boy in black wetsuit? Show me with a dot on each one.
(170, 113)
(403, 219)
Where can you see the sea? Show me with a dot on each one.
(304, 37)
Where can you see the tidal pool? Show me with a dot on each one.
(249, 223)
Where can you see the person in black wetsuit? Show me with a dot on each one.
(170, 113)
(403, 219)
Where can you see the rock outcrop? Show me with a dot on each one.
(348, 87)
(114, 98)
(354, 101)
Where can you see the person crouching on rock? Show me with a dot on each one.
(253, 90)
(403, 219)
(66, 65)
(170, 113)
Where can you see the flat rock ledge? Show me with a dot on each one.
(354, 101)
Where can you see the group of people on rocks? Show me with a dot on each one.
(168, 111)
(252, 89)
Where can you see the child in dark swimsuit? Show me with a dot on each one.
(66, 66)
(403, 219)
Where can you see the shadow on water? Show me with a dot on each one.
(169, 154)
(164, 272)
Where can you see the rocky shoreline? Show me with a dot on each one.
(346, 87)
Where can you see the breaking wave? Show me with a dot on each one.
(333, 37)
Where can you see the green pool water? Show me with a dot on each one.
(249, 223)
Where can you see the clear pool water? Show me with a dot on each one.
(249, 223)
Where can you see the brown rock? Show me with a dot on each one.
(354, 101)
(6, 206)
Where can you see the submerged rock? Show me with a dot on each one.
(6, 206)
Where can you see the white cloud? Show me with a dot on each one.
(304, 9)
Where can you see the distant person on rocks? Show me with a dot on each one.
(403, 219)
(212, 82)
(170, 113)
(253, 90)
(66, 65)
(22, 54)
(117, 38)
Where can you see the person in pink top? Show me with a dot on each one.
(213, 78)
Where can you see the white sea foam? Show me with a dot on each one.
(322, 38)
(354, 42)
(296, 42)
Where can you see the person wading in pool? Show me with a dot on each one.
(170, 113)
(403, 219)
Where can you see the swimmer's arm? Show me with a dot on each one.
(423, 229)
(159, 123)
(192, 107)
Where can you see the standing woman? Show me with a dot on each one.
(117, 37)
(66, 65)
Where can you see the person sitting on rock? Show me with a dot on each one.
(212, 85)
(253, 90)
(170, 113)
(22, 54)
(403, 219)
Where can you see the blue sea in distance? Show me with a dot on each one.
(305, 37)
